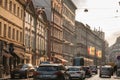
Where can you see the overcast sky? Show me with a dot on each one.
(101, 13)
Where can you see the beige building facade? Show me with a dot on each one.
(89, 45)
(68, 29)
(11, 32)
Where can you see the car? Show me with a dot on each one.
(22, 71)
(88, 72)
(76, 72)
(105, 71)
(51, 72)
(46, 62)
(93, 69)
(118, 73)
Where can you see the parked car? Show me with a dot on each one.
(118, 73)
(51, 72)
(105, 71)
(87, 70)
(22, 71)
(93, 69)
(46, 62)
(76, 73)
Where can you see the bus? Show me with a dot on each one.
(78, 61)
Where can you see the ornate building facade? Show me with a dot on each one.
(89, 45)
(53, 9)
(11, 32)
(68, 29)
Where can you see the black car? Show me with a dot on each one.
(51, 72)
(22, 71)
(87, 70)
(105, 71)
(94, 69)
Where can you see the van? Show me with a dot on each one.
(105, 71)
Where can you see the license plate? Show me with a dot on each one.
(48, 76)
(45, 75)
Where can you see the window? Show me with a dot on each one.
(13, 34)
(0, 28)
(5, 3)
(17, 35)
(9, 32)
(20, 36)
(10, 6)
(14, 9)
(5, 28)
(18, 11)
(21, 13)
(1, 2)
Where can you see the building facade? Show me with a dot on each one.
(41, 36)
(114, 51)
(29, 32)
(88, 44)
(11, 33)
(35, 31)
(53, 9)
(68, 12)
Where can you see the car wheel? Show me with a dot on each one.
(12, 77)
(26, 75)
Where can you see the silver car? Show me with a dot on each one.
(51, 72)
(76, 72)
(22, 71)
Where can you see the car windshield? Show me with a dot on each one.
(47, 68)
(74, 69)
(106, 68)
(27, 65)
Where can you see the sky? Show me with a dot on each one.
(101, 13)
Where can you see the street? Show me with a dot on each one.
(96, 77)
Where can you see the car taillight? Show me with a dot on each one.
(58, 73)
(78, 72)
(36, 73)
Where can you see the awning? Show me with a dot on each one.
(61, 59)
(7, 54)
(19, 54)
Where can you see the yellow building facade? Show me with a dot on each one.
(11, 32)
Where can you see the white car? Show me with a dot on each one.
(76, 72)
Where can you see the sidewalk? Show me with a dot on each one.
(6, 77)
